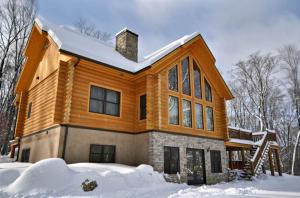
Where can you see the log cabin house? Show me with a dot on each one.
(85, 101)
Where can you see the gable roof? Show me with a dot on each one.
(70, 40)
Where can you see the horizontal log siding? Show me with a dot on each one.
(85, 75)
(21, 114)
(43, 98)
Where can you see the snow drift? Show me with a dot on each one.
(54, 177)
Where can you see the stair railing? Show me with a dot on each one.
(255, 161)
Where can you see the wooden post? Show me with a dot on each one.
(278, 162)
(243, 156)
(12, 150)
(271, 162)
(230, 159)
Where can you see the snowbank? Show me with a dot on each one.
(53, 177)
(47, 175)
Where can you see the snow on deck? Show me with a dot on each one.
(71, 40)
(239, 129)
(241, 141)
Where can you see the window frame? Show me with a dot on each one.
(104, 101)
(24, 152)
(210, 88)
(143, 108)
(178, 110)
(213, 118)
(216, 161)
(196, 67)
(168, 170)
(29, 111)
(202, 117)
(188, 58)
(102, 154)
(177, 79)
(191, 113)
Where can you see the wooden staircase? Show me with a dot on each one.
(254, 162)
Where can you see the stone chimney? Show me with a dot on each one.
(127, 44)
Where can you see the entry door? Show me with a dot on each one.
(196, 166)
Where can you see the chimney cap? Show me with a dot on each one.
(126, 30)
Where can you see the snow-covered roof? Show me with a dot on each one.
(240, 129)
(70, 40)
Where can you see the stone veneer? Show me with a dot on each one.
(127, 44)
(158, 140)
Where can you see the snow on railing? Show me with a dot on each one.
(260, 152)
(259, 143)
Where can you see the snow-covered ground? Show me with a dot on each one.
(53, 178)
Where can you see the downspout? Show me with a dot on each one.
(66, 126)
(65, 141)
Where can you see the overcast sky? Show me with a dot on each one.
(233, 29)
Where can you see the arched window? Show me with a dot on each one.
(208, 93)
(197, 80)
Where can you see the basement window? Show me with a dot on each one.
(25, 155)
(102, 153)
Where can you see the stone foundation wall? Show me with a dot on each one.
(158, 140)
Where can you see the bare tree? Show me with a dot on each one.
(16, 18)
(290, 60)
(255, 83)
(90, 29)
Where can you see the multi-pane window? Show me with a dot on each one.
(143, 110)
(25, 155)
(29, 110)
(104, 101)
(197, 80)
(187, 114)
(173, 78)
(102, 153)
(215, 160)
(185, 76)
(173, 110)
(199, 116)
(208, 93)
(171, 160)
(202, 114)
(209, 119)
